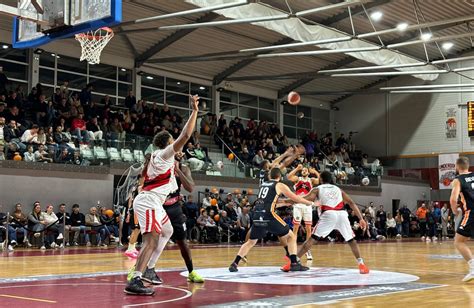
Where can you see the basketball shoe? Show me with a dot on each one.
(363, 269)
(195, 277)
(150, 276)
(136, 287)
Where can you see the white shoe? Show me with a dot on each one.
(10, 248)
(37, 234)
(468, 277)
(53, 245)
(399, 236)
(309, 256)
(43, 248)
(60, 237)
(61, 246)
(422, 238)
(13, 243)
(435, 238)
(28, 244)
(428, 240)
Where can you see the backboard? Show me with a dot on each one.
(62, 19)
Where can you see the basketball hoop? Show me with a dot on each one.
(93, 42)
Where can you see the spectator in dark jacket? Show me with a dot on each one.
(78, 224)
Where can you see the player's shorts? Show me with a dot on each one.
(175, 214)
(134, 220)
(302, 212)
(334, 220)
(274, 225)
(148, 207)
(467, 224)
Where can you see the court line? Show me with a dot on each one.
(186, 295)
(29, 298)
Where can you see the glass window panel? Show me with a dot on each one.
(229, 110)
(121, 101)
(248, 100)
(123, 89)
(71, 64)
(14, 70)
(103, 86)
(289, 120)
(47, 60)
(77, 82)
(97, 97)
(228, 96)
(177, 100)
(304, 123)
(153, 81)
(153, 95)
(46, 76)
(176, 85)
(305, 110)
(12, 85)
(265, 115)
(266, 103)
(103, 70)
(290, 132)
(124, 75)
(248, 113)
(202, 91)
(14, 54)
(289, 109)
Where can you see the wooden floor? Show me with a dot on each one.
(433, 263)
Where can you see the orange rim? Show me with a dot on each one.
(97, 37)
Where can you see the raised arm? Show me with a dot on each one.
(188, 129)
(455, 192)
(355, 208)
(283, 189)
(184, 174)
(292, 175)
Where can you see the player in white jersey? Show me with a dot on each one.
(303, 185)
(334, 217)
(159, 182)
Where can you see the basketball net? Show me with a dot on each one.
(93, 42)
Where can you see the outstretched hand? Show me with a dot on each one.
(363, 224)
(194, 99)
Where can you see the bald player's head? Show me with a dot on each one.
(275, 174)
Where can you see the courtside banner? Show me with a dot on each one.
(447, 169)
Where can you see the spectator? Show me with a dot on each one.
(79, 129)
(42, 156)
(421, 215)
(94, 130)
(64, 89)
(405, 212)
(37, 223)
(382, 220)
(208, 224)
(258, 159)
(30, 136)
(12, 240)
(243, 223)
(116, 130)
(195, 158)
(29, 156)
(444, 221)
(53, 233)
(391, 225)
(191, 211)
(93, 221)
(373, 166)
(19, 221)
(3, 81)
(110, 225)
(371, 210)
(78, 224)
(399, 221)
(130, 100)
(86, 95)
(64, 222)
(228, 225)
(457, 217)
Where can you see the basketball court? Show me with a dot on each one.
(329, 51)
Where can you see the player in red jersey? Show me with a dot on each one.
(303, 185)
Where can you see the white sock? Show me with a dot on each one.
(166, 232)
(360, 260)
(131, 246)
(137, 274)
(471, 263)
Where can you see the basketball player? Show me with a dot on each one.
(334, 217)
(175, 213)
(463, 186)
(303, 185)
(160, 181)
(281, 162)
(132, 219)
(266, 220)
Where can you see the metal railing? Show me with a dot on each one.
(238, 160)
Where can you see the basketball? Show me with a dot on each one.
(206, 129)
(17, 156)
(365, 181)
(213, 202)
(231, 156)
(294, 98)
(109, 212)
(220, 165)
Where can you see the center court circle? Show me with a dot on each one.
(316, 276)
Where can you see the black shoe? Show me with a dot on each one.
(233, 268)
(136, 287)
(297, 267)
(150, 276)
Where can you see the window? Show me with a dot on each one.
(153, 95)
(153, 81)
(77, 82)
(176, 85)
(15, 70)
(229, 109)
(293, 124)
(177, 100)
(248, 100)
(46, 76)
(103, 71)
(230, 97)
(202, 91)
(19, 55)
(248, 106)
(69, 64)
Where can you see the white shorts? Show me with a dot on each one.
(302, 211)
(149, 209)
(334, 220)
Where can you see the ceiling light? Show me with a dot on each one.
(5, 46)
(376, 16)
(58, 57)
(426, 36)
(202, 88)
(447, 45)
(149, 77)
(402, 26)
(123, 70)
(53, 55)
